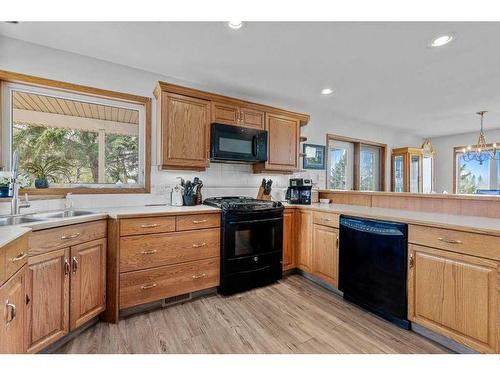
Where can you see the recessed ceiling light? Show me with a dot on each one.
(326, 91)
(441, 40)
(235, 24)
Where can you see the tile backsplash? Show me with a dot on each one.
(220, 179)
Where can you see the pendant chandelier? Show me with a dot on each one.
(481, 151)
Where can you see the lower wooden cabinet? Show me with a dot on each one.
(289, 239)
(325, 253)
(77, 272)
(47, 297)
(88, 282)
(455, 295)
(304, 240)
(12, 313)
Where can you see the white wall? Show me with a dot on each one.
(27, 58)
(444, 155)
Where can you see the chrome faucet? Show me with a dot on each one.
(16, 204)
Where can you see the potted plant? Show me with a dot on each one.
(4, 187)
(45, 169)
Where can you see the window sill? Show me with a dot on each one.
(64, 191)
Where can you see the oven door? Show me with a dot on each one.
(236, 143)
(253, 237)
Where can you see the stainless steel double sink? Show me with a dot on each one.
(34, 218)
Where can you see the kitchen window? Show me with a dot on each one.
(355, 164)
(73, 141)
(471, 176)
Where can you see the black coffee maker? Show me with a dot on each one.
(299, 191)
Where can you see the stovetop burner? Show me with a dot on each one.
(241, 203)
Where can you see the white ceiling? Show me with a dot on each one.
(382, 73)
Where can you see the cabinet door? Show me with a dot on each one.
(225, 113)
(455, 295)
(252, 118)
(185, 131)
(283, 142)
(12, 313)
(288, 239)
(326, 253)
(88, 281)
(304, 243)
(47, 294)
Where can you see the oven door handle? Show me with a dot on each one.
(256, 221)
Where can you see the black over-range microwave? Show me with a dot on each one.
(231, 143)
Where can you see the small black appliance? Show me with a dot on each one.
(299, 191)
(237, 144)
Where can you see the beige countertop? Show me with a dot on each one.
(11, 232)
(466, 223)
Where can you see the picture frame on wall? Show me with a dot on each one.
(314, 156)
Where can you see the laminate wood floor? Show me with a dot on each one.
(292, 316)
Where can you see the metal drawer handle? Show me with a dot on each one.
(449, 240)
(75, 265)
(199, 244)
(199, 221)
(67, 269)
(19, 257)
(337, 242)
(70, 237)
(12, 308)
(149, 225)
(147, 252)
(149, 286)
(326, 219)
(199, 276)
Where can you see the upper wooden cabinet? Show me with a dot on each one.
(183, 132)
(282, 144)
(184, 116)
(231, 114)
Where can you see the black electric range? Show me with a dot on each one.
(251, 242)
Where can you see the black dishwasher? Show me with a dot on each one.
(372, 266)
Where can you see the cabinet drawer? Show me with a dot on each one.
(16, 256)
(461, 242)
(145, 225)
(326, 218)
(140, 287)
(56, 238)
(200, 221)
(140, 252)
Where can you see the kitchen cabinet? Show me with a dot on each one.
(455, 295)
(231, 114)
(183, 132)
(288, 239)
(326, 253)
(183, 128)
(88, 281)
(156, 257)
(304, 241)
(64, 262)
(47, 297)
(282, 144)
(12, 313)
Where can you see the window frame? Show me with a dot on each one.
(357, 143)
(102, 94)
(496, 181)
